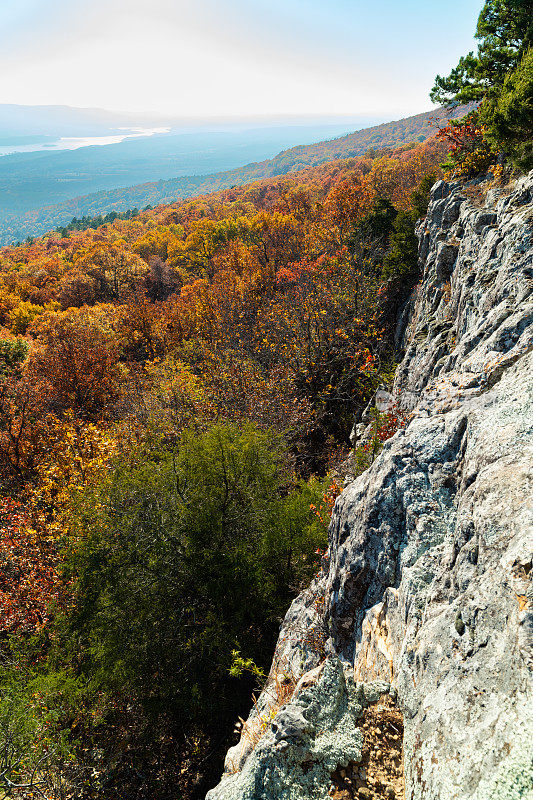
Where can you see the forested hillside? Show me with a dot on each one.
(412, 129)
(174, 389)
(178, 389)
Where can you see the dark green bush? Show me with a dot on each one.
(37, 749)
(370, 238)
(420, 197)
(402, 258)
(184, 555)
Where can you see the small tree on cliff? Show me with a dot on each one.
(510, 117)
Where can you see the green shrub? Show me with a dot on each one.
(370, 238)
(37, 751)
(420, 197)
(184, 556)
(401, 259)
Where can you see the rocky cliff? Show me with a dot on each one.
(405, 669)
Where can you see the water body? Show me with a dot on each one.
(74, 142)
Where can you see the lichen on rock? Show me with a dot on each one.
(314, 734)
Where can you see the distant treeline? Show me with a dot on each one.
(95, 222)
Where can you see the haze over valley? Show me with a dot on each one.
(51, 155)
(40, 190)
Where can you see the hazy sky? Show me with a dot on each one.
(203, 57)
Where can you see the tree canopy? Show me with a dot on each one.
(505, 31)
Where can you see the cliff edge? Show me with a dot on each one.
(405, 670)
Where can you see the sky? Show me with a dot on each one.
(232, 57)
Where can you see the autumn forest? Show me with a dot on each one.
(178, 386)
(234, 334)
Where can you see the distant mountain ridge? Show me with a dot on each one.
(413, 129)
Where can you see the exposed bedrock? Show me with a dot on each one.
(427, 586)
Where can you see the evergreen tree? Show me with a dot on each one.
(510, 118)
(505, 31)
(402, 257)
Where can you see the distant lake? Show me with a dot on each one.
(72, 142)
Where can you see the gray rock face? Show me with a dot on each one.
(472, 314)
(428, 581)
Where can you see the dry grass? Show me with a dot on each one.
(501, 179)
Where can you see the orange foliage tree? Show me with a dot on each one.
(78, 359)
(29, 578)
